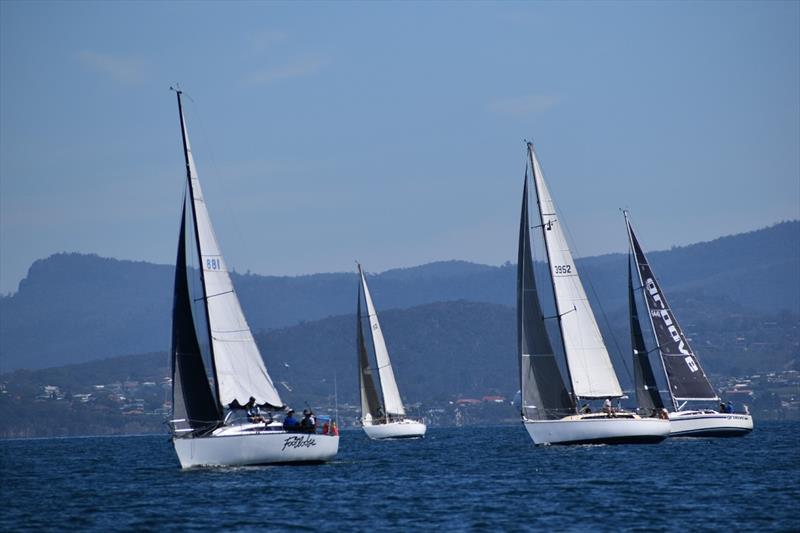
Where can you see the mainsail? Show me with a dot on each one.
(543, 393)
(685, 376)
(391, 396)
(647, 396)
(238, 366)
(590, 368)
(193, 403)
(370, 404)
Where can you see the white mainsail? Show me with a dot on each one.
(590, 367)
(240, 370)
(391, 396)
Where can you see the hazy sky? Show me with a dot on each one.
(391, 132)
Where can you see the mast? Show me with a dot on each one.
(641, 284)
(238, 367)
(178, 92)
(647, 395)
(370, 405)
(550, 276)
(543, 394)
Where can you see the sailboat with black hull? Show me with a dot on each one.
(685, 378)
(549, 407)
(387, 420)
(216, 366)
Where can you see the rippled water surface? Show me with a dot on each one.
(454, 479)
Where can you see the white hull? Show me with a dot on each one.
(598, 429)
(709, 424)
(234, 447)
(402, 429)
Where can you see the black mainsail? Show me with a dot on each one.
(370, 404)
(685, 376)
(193, 404)
(544, 395)
(647, 396)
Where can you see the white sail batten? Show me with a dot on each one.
(391, 395)
(240, 369)
(590, 367)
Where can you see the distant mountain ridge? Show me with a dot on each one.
(73, 308)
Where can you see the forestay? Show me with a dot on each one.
(370, 405)
(391, 396)
(685, 376)
(590, 367)
(647, 396)
(544, 395)
(240, 370)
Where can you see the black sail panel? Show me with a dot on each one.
(370, 404)
(647, 396)
(192, 399)
(686, 378)
(543, 393)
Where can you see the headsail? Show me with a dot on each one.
(590, 367)
(192, 400)
(370, 404)
(543, 393)
(240, 370)
(391, 396)
(685, 376)
(647, 396)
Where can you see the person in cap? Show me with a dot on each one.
(289, 421)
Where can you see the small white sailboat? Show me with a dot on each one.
(685, 378)
(387, 420)
(207, 395)
(549, 407)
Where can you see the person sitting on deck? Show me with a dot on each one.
(585, 410)
(729, 408)
(253, 411)
(290, 422)
(722, 408)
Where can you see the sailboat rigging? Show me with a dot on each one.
(686, 380)
(549, 406)
(387, 419)
(202, 416)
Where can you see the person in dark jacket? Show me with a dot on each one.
(308, 423)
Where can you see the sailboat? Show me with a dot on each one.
(208, 391)
(685, 378)
(549, 406)
(387, 420)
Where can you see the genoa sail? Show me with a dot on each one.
(391, 395)
(590, 368)
(194, 406)
(238, 366)
(544, 395)
(647, 396)
(685, 376)
(370, 404)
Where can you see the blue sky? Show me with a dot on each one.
(391, 132)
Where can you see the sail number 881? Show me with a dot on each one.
(213, 264)
(562, 269)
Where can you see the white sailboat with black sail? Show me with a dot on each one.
(686, 381)
(387, 420)
(549, 405)
(216, 366)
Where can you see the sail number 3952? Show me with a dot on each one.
(562, 269)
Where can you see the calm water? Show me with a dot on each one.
(455, 479)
